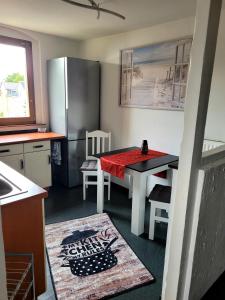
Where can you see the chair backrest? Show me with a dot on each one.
(97, 141)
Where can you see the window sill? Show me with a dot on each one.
(20, 128)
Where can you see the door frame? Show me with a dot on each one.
(176, 270)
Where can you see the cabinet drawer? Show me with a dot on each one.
(11, 149)
(36, 146)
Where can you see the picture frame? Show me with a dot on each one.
(155, 76)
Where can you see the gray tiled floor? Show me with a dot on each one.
(65, 204)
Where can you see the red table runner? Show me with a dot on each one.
(115, 164)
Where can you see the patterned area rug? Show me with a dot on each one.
(89, 259)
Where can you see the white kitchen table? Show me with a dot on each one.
(140, 172)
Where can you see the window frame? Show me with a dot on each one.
(27, 45)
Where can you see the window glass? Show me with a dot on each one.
(16, 82)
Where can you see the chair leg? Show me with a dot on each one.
(158, 213)
(109, 187)
(84, 187)
(152, 222)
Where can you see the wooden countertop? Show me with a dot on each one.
(30, 188)
(28, 137)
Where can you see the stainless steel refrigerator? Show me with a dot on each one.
(73, 90)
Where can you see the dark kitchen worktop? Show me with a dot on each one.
(174, 165)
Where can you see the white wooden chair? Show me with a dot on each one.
(96, 142)
(160, 200)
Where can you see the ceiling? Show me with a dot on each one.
(59, 18)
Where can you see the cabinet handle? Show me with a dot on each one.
(49, 159)
(38, 146)
(21, 164)
(4, 151)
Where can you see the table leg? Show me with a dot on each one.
(138, 203)
(100, 188)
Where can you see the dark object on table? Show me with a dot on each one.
(144, 147)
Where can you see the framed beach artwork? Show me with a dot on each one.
(155, 76)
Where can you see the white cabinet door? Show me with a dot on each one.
(38, 167)
(14, 161)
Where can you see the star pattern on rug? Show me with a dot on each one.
(92, 265)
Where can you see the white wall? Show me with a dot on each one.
(129, 126)
(163, 129)
(44, 47)
(216, 112)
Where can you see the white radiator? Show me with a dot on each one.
(210, 144)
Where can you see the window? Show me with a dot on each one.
(181, 70)
(16, 82)
(155, 76)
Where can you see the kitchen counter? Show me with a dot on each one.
(30, 189)
(28, 137)
(23, 222)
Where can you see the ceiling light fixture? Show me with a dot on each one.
(94, 6)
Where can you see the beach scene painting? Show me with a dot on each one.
(155, 76)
